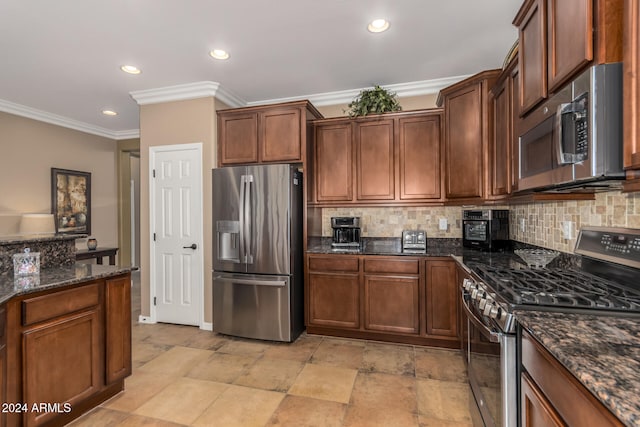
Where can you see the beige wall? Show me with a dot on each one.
(30, 148)
(407, 103)
(180, 122)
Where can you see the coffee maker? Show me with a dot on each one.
(346, 233)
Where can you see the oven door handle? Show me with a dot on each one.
(491, 335)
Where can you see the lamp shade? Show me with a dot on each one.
(37, 224)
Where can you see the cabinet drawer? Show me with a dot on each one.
(400, 266)
(573, 402)
(333, 263)
(57, 304)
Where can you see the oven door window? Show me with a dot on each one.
(484, 368)
(476, 230)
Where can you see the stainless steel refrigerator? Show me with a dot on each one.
(257, 252)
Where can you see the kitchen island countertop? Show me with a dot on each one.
(602, 352)
(50, 278)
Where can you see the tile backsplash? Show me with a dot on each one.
(542, 221)
(389, 222)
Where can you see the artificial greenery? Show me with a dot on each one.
(373, 101)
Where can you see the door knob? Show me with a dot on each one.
(193, 246)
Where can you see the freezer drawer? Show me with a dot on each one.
(252, 306)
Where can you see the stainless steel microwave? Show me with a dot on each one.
(485, 229)
(575, 137)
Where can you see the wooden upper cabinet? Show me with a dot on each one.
(514, 83)
(393, 158)
(374, 144)
(333, 162)
(280, 134)
(560, 38)
(238, 137)
(468, 121)
(264, 134)
(631, 85)
(419, 157)
(570, 38)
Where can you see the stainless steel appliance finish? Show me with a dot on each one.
(608, 282)
(257, 254)
(414, 241)
(485, 229)
(575, 137)
(346, 233)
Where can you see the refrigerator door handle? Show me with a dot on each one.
(247, 218)
(241, 206)
(274, 283)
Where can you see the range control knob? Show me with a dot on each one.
(474, 293)
(482, 304)
(467, 284)
(487, 308)
(495, 312)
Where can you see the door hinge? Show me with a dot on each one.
(154, 301)
(154, 173)
(154, 237)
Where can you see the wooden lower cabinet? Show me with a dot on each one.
(536, 409)
(62, 363)
(3, 363)
(67, 350)
(442, 299)
(552, 396)
(382, 297)
(334, 300)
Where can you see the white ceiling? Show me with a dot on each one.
(60, 60)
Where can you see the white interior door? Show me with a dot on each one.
(176, 233)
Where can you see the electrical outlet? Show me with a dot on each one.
(523, 225)
(566, 227)
(443, 224)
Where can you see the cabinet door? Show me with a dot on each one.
(536, 411)
(63, 362)
(514, 84)
(280, 135)
(333, 163)
(442, 298)
(500, 147)
(419, 151)
(533, 56)
(392, 304)
(238, 138)
(464, 143)
(570, 38)
(631, 85)
(118, 328)
(375, 160)
(334, 300)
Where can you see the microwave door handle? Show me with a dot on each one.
(491, 335)
(562, 156)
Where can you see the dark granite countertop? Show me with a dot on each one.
(602, 352)
(51, 278)
(8, 240)
(387, 246)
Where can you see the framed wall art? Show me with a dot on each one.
(71, 201)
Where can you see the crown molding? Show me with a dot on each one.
(423, 87)
(185, 92)
(54, 119)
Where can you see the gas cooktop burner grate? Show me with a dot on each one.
(558, 288)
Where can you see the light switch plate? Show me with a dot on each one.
(523, 225)
(443, 224)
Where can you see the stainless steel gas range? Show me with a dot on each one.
(604, 279)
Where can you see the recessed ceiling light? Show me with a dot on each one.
(130, 69)
(109, 113)
(219, 54)
(378, 25)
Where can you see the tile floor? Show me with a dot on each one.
(183, 376)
